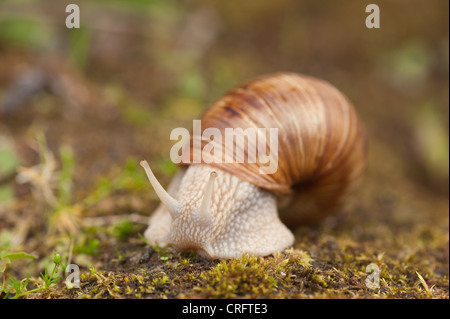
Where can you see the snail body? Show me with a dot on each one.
(225, 209)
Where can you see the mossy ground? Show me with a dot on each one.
(327, 261)
(70, 182)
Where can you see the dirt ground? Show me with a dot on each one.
(81, 107)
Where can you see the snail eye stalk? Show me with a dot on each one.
(171, 203)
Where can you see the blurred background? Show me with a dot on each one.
(80, 107)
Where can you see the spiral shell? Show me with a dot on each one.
(321, 141)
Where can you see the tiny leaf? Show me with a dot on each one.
(18, 255)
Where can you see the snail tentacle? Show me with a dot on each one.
(171, 203)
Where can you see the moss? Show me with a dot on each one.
(319, 279)
(326, 263)
(291, 274)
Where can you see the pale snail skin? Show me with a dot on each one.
(244, 217)
(225, 210)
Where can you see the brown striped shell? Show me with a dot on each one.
(321, 141)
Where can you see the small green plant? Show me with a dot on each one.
(6, 257)
(93, 270)
(49, 280)
(88, 246)
(165, 254)
(120, 256)
(8, 165)
(122, 229)
(13, 284)
(19, 287)
(130, 178)
(144, 240)
(160, 281)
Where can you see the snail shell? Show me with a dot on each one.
(321, 141)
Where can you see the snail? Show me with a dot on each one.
(224, 210)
